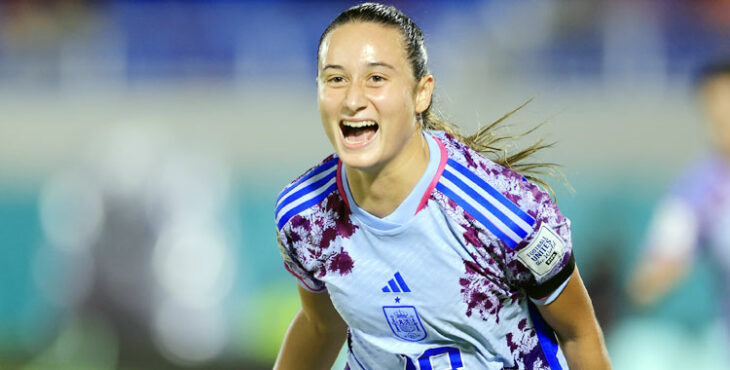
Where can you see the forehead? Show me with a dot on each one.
(365, 42)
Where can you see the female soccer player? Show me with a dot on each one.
(411, 245)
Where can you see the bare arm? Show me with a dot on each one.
(672, 239)
(571, 316)
(653, 279)
(315, 336)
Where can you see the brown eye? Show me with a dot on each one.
(377, 78)
(336, 79)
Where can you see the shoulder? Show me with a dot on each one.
(310, 216)
(307, 192)
(502, 201)
(507, 216)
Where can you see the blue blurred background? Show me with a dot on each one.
(142, 145)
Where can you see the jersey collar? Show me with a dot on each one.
(416, 199)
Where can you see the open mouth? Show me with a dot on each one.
(358, 133)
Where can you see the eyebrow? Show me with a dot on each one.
(372, 64)
(380, 64)
(335, 66)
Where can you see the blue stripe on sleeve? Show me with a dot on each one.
(303, 191)
(283, 220)
(323, 167)
(473, 212)
(489, 206)
(492, 191)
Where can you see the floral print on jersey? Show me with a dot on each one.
(310, 237)
(483, 286)
(307, 239)
(481, 294)
(525, 343)
(493, 277)
(524, 194)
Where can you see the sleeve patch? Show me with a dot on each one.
(543, 253)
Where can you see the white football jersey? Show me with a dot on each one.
(450, 279)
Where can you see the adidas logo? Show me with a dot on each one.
(396, 285)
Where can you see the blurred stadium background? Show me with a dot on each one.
(142, 145)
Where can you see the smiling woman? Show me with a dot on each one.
(368, 101)
(409, 243)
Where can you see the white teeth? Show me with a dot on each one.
(359, 124)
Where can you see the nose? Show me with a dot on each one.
(355, 100)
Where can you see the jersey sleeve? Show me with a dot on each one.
(543, 261)
(304, 277)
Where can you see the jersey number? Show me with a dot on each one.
(424, 362)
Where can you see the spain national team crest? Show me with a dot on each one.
(405, 323)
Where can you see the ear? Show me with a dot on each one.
(424, 91)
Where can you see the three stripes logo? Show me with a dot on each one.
(396, 285)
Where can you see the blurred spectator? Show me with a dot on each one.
(145, 263)
(694, 217)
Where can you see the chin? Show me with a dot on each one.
(360, 161)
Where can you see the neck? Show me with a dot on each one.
(381, 192)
